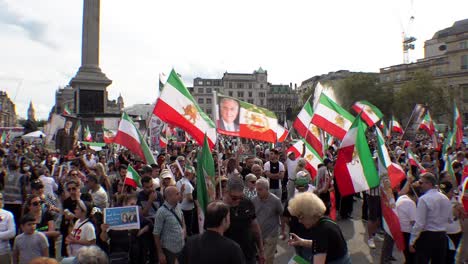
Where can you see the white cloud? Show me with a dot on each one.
(292, 40)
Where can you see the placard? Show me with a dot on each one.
(122, 218)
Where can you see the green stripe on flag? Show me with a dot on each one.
(365, 156)
(205, 167)
(326, 101)
(257, 109)
(308, 108)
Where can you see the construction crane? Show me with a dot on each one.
(408, 40)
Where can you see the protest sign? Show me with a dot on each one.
(122, 218)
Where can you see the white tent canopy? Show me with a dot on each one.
(35, 134)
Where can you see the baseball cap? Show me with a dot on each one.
(165, 174)
(302, 179)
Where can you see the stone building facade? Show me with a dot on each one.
(7, 111)
(445, 57)
(249, 87)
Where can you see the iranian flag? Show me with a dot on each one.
(355, 169)
(281, 133)
(247, 120)
(331, 117)
(427, 124)
(457, 126)
(66, 111)
(312, 158)
(4, 137)
(205, 181)
(177, 107)
(413, 160)
(395, 172)
(109, 135)
(448, 142)
(87, 134)
(129, 137)
(310, 132)
(395, 126)
(369, 112)
(132, 178)
(390, 220)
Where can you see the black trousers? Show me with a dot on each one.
(431, 246)
(456, 241)
(346, 208)
(188, 219)
(409, 257)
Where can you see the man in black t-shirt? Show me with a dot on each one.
(212, 247)
(149, 199)
(274, 170)
(244, 228)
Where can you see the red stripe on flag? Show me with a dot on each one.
(396, 175)
(393, 223)
(311, 139)
(333, 206)
(364, 115)
(130, 143)
(329, 127)
(167, 114)
(343, 179)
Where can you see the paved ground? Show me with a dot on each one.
(355, 234)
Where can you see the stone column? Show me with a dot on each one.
(90, 37)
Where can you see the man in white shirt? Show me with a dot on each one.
(7, 232)
(100, 198)
(89, 160)
(291, 164)
(433, 214)
(50, 186)
(186, 205)
(406, 211)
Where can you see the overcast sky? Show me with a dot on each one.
(40, 41)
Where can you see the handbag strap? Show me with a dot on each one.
(175, 215)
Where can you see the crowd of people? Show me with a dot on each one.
(53, 206)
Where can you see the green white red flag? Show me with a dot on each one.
(331, 117)
(281, 133)
(132, 178)
(238, 118)
(457, 126)
(66, 111)
(4, 137)
(205, 181)
(109, 135)
(355, 169)
(313, 159)
(129, 137)
(395, 172)
(391, 222)
(310, 132)
(177, 107)
(413, 160)
(369, 112)
(427, 124)
(87, 134)
(396, 126)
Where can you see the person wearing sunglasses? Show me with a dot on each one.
(244, 228)
(69, 205)
(44, 219)
(249, 190)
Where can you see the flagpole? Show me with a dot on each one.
(214, 113)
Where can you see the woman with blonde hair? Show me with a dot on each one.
(327, 242)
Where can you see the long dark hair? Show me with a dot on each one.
(28, 202)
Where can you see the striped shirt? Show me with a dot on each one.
(168, 228)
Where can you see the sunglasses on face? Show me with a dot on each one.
(74, 174)
(253, 181)
(71, 189)
(37, 203)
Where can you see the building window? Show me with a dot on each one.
(464, 62)
(261, 101)
(216, 83)
(250, 86)
(200, 82)
(208, 83)
(201, 100)
(240, 85)
(464, 44)
(208, 100)
(208, 90)
(240, 94)
(200, 90)
(261, 94)
(261, 86)
(250, 101)
(208, 111)
(230, 85)
(398, 77)
(230, 93)
(250, 94)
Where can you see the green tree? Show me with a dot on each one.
(421, 89)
